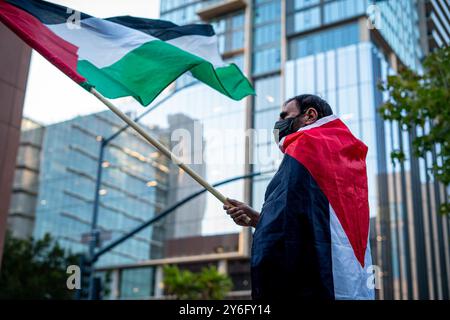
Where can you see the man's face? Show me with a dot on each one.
(290, 110)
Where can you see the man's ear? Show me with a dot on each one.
(311, 116)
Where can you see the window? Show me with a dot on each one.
(230, 32)
(267, 93)
(268, 12)
(300, 4)
(323, 41)
(137, 283)
(308, 19)
(266, 40)
(269, 34)
(237, 40)
(342, 9)
(266, 60)
(237, 60)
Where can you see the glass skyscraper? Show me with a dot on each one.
(134, 187)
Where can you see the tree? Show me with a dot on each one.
(209, 284)
(420, 101)
(35, 269)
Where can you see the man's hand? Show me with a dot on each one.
(238, 210)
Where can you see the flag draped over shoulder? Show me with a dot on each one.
(312, 237)
(123, 56)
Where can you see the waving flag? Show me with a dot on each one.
(313, 233)
(123, 56)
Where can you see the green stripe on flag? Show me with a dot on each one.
(147, 70)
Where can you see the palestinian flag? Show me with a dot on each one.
(312, 239)
(123, 56)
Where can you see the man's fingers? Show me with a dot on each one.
(241, 219)
(233, 202)
(233, 210)
(237, 214)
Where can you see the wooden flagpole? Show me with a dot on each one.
(163, 149)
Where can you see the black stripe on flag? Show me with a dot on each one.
(161, 29)
(46, 12)
(50, 13)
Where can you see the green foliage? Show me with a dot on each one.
(34, 269)
(209, 284)
(419, 99)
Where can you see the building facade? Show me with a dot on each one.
(26, 180)
(133, 189)
(14, 65)
(435, 24)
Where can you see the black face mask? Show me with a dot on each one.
(282, 128)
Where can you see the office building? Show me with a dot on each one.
(26, 180)
(133, 189)
(435, 24)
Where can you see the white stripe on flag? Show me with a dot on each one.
(103, 42)
(349, 278)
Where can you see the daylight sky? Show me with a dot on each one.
(51, 96)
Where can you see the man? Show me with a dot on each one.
(311, 238)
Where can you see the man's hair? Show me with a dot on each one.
(306, 101)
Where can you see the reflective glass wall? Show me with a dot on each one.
(134, 187)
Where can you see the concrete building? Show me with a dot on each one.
(14, 65)
(435, 24)
(26, 180)
(133, 189)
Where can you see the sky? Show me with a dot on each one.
(51, 96)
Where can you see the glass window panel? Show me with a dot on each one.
(331, 70)
(367, 101)
(320, 73)
(219, 26)
(348, 103)
(365, 62)
(347, 66)
(299, 4)
(259, 190)
(305, 75)
(267, 93)
(237, 21)
(331, 12)
(290, 82)
(221, 40)
(267, 154)
(137, 283)
(268, 12)
(323, 41)
(269, 34)
(238, 60)
(266, 60)
(266, 119)
(237, 40)
(307, 19)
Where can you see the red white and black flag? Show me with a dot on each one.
(312, 238)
